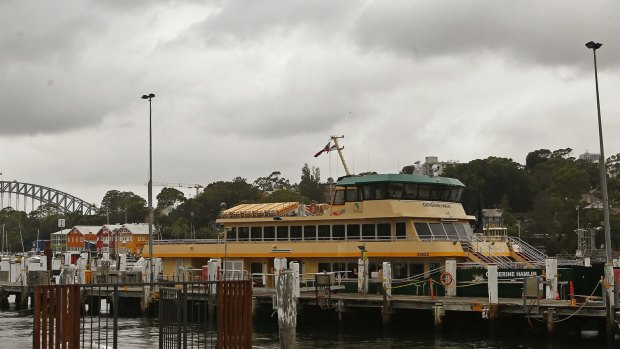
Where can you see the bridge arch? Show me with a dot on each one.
(65, 202)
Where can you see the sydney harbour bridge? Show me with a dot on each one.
(16, 195)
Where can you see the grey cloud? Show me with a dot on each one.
(247, 20)
(548, 33)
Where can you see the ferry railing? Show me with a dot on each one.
(529, 252)
(485, 251)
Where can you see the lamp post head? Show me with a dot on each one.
(149, 96)
(594, 45)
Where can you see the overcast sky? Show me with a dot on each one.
(244, 88)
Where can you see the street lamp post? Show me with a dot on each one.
(609, 276)
(150, 97)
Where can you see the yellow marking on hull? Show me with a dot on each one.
(315, 255)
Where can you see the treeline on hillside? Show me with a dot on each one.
(540, 200)
(543, 199)
(176, 217)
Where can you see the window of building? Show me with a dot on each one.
(310, 232)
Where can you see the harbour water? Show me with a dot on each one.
(16, 332)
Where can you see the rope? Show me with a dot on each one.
(576, 311)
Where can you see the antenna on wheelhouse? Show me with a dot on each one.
(339, 149)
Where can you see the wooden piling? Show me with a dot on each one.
(287, 309)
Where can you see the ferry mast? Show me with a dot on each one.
(339, 149)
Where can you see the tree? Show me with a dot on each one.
(169, 197)
(501, 182)
(123, 207)
(272, 182)
(310, 185)
(283, 195)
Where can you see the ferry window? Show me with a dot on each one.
(401, 230)
(438, 232)
(296, 232)
(410, 192)
(257, 272)
(424, 233)
(380, 191)
(325, 267)
(384, 231)
(451, 231)
(353, 231)
(460, 231)
(424, 192)
(434, 268)
(399, 270)
(282, 232)
(367, 192)
(467, 230)
(436, 193)
(416, 269)
(445, 194)
(395, 191)
(368, 232)
(456, 194)
(351, 195)
(324, 232)
(341, 267)
(351, 270)
(243, 233)
(339, 197)
(231, 235)
(269, 233)
(310, 232)
(256, 233)
(338, 232)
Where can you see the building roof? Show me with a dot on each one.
(397, 178)
(138, 228)
(62, 232)
(87, 229)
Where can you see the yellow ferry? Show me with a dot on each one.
(415, 222)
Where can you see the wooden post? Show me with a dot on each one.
(551, 276)
(451, 277)
(287, 309)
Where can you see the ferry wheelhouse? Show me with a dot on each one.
(414, 222)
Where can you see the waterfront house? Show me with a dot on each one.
(81, 235)
(59, 240)
(105, 238)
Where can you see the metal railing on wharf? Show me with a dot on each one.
(206, 314)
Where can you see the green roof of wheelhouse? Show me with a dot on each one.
(398, 178)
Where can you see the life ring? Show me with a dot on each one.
(445, 278)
